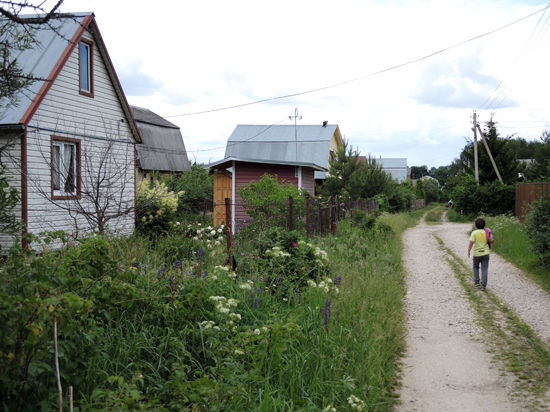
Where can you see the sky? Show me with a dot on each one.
(178, 58)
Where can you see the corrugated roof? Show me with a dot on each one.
(40, 61)
(52, 43)
(305, 144)
(144, 115)
(226, 163)
(391, 163)
(163, 148)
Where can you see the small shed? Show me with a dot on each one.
(292, 153)
(163, 149)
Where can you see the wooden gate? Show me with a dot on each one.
(222, 190)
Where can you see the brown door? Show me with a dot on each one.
(222, 190)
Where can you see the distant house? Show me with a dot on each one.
(395, 167)
(162, 149)
(293, 154)
(68, 133)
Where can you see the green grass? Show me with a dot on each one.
(454, 216)
(512, 342)
(512, 243)
(142, 344)
(434, 215)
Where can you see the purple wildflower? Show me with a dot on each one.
(205, 274)
(259, 290)
(295, 244)
(200, 253)
(256, 302)
(178, 264)
(338, 280)
(326, 314)
(136, 264)
(162, 272)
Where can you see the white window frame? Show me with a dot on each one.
(86, 67)
(64, 168)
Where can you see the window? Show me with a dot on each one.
(65, 168)
(85, 67)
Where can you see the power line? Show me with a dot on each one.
(342, 83)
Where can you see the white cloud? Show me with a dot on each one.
(207, 55)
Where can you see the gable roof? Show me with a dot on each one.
(285, 144)
(163, 148)
(53, 45)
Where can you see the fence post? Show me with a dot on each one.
(228, 227)
(307, 215)
(319, 224)
(290, 203)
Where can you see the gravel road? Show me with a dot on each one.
(447, 366)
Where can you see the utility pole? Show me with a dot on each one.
(476, 169)
(489, 153)
(296, 117)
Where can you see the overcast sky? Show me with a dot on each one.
(182, 57)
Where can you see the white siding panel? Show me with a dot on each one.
(80, 117)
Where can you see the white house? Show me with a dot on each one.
(68, 144)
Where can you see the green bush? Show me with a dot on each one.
(539, 229)
(267, 202)
(287, 261)
(494, 198)
(156, 208)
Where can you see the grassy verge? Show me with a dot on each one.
(512, 243)
(512, 341)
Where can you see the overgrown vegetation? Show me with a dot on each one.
(159, 323)
(539, 229)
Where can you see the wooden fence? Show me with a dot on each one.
(526, 194)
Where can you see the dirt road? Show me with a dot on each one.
(448, 366)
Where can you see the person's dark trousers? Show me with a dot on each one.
(482, 261)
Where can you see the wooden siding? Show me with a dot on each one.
(92, 120)
(308, 180)
(526, 194)
(11, 161)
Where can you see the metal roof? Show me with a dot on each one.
(226, 163)
(283, 144)
(45, 58)
(392, 163)
(163, 148)
(39, 60)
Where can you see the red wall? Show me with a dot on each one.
(248, 172)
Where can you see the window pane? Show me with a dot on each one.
(84, 67)
(69, 163)
(56, 169)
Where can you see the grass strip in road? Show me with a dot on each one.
(434, 216)
(522, 352)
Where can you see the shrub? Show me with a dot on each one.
(156, 207)
(492, 198)
(287, 261)
(539, 229)
(267, 202)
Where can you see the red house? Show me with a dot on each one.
(295, 154)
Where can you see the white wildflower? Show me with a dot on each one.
(239, 352)
(213, 233)
(257, 331)
(329, 408)
(245, 286)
